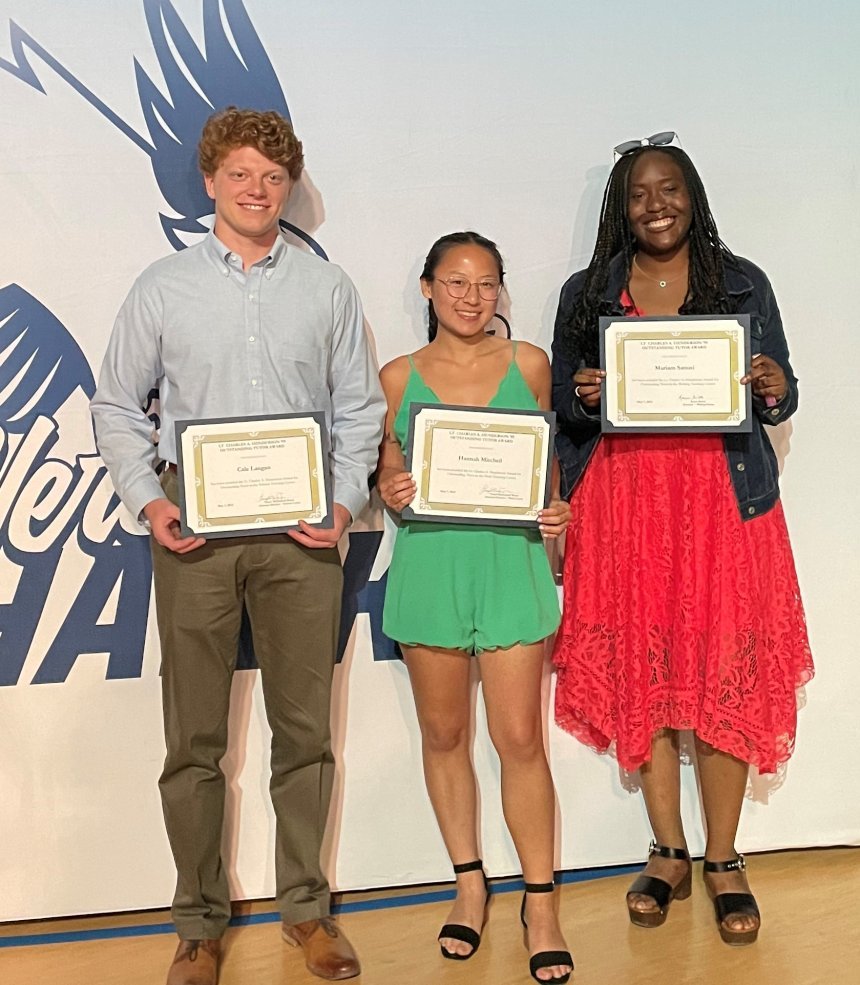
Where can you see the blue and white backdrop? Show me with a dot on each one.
(417, 119)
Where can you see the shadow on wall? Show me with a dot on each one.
(588, 215)
(583, 237)
(303, 215)
(780, 438)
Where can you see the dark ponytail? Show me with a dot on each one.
(432, 321)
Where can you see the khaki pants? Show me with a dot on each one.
(292, 595)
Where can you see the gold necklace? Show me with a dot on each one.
(660, 283)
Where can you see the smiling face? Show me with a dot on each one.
(470, 266)
(658, 205)
(249, 192)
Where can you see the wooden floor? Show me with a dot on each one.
(810, 935)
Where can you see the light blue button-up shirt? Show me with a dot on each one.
(285, 336)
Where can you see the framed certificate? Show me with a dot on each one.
(677, 374)
(253, 475)
(475, 465)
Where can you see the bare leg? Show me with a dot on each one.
(512, 693)
(440, 684)
(661, 787)
(723, 781)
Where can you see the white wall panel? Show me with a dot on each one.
(417, 119)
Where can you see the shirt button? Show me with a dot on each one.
(252, 338)
(253, 382)
(740, 466)
(751, 510)
(250, 297)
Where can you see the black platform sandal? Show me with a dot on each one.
(458, 931)
(543, 959)
(659, 890)
(728, 905)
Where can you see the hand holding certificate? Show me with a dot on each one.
(240, 476)
(682, 374)
(474, 465)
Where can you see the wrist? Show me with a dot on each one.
(343, 515)
(153, 506)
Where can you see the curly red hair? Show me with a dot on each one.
(267, 132)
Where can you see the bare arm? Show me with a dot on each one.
(396, 486)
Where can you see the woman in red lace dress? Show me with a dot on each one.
(681, 603)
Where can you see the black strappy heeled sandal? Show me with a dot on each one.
(728, 905)
(659, 890)
(458, 931)
(543, 959)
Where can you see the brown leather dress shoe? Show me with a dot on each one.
(328, 954)
(195, 963)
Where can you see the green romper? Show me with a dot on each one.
(465, 587)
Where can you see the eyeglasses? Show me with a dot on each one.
(665, 139)
(459, 287)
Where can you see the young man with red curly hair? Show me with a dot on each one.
(239, 325)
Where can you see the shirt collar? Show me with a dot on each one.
(226, 258)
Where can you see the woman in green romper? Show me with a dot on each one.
(455, 591)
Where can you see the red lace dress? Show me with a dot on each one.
(677, 614)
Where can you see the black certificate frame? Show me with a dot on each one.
(248, 429)
(480, 419)
(737, 421)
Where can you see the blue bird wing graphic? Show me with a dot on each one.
(231, 69)
(41, 364)
(197, 84)
(19, 67)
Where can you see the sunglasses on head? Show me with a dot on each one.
(667, 138)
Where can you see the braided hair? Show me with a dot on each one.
(438, 251)
(709, 256)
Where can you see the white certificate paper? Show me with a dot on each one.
(240, 476)
(676, 374)
(476, 465)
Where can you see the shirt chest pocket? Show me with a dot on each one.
(302, 370)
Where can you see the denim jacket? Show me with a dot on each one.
(750, 457)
